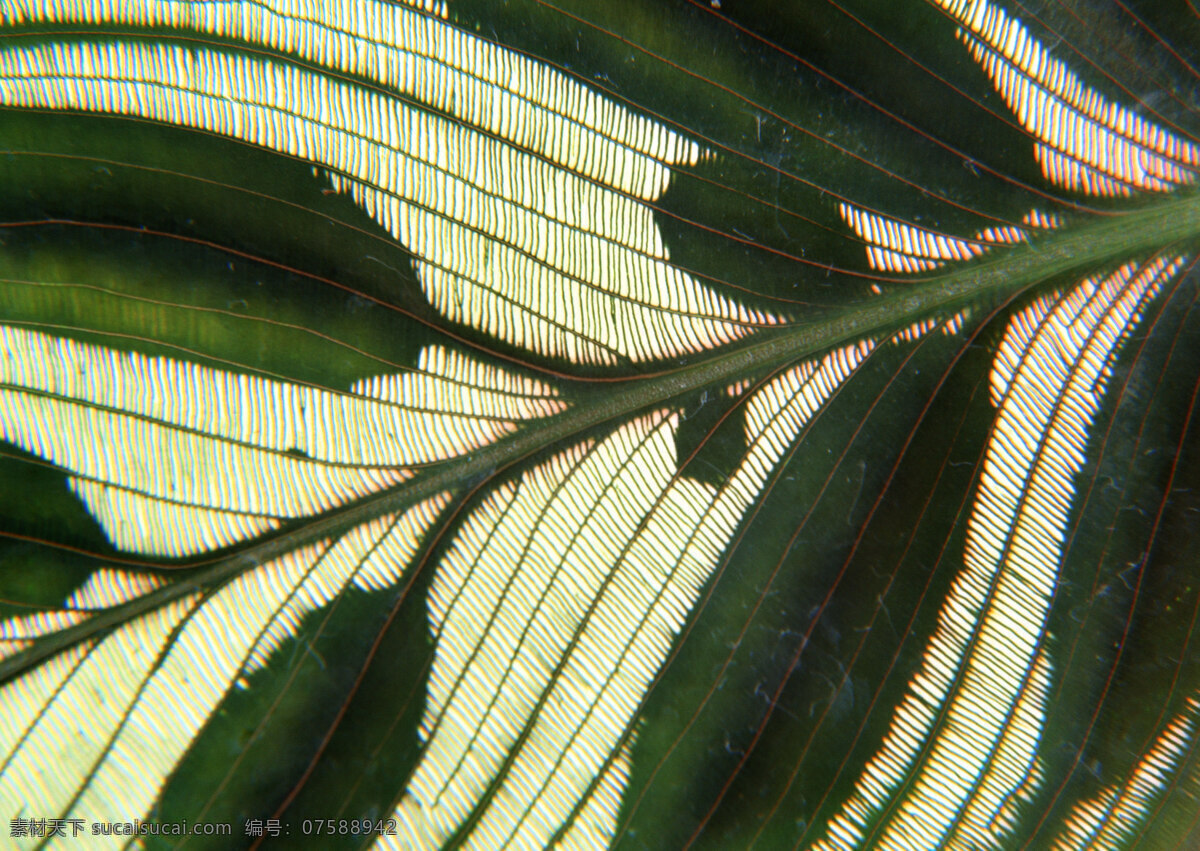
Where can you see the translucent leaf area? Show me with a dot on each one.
(644, 425)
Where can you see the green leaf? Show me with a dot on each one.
(652, 425)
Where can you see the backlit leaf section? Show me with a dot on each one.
(526, 205)
(559, 583)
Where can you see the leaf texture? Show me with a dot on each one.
(555, 608)
(961, 750)
(1119, 814)
(524, 248)
(106, 587)
(176, 459)
(1087, 142)
(662, 592)
(895, 246)
(163, 673)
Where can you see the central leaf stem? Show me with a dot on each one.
(1004, 273)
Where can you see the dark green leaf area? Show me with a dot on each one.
(374, 748)
(162, 295)
(250, 757)
(36, 503)
(877, 57)
(718, 231)
(911, 60)
(45, 533)
(34, 576)
(124, 172)
(711, 438)
(777, 669)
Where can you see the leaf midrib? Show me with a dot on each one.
(1002, 274)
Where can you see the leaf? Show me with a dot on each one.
(285, 451)
(985, 671)
(437, 425)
